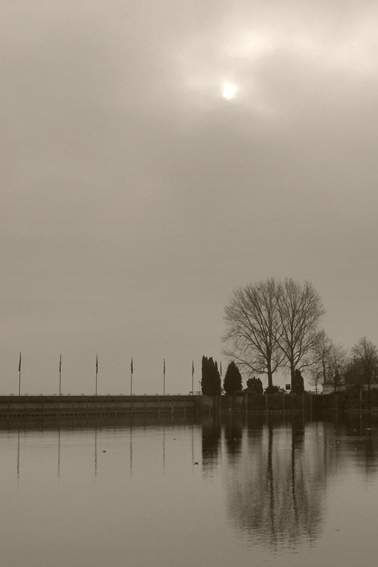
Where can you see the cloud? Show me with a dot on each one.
(132, 187)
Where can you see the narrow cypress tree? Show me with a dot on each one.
(211, 382)
(233, 380)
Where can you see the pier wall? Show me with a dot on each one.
(66, 405)
(254, 403)
(55, 406)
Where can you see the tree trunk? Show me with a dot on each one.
(270, 377)
(292, 370)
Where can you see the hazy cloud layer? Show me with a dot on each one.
(135, 197)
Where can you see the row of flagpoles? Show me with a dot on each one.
(131, 375)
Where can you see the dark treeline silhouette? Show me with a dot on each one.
(274, 324)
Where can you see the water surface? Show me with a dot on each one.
(170, 492)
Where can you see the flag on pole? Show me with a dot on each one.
(60, 375)
(164, 378)
(96, 373)
(192, 377)
(131, 377)
(19, 376)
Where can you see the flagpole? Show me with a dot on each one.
(60, 375)
(19, 376)
(131, 380)
(192, 378)
(164, 379)
(96, 372)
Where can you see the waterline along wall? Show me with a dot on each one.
(66, 405)
(55, 406)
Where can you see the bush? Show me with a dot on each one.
(255, 385)
(274, 390)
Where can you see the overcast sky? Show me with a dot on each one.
(136, 196)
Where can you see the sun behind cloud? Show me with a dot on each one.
(228, 91)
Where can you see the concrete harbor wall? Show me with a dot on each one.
(253, 403)
(66, 405)
(361, 401)
(51, 406)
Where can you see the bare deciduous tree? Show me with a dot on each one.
(253, 328)
(337, 364)
(321, 352)
(300, 309)
(366, 353)
(330, 362)
(315, 379)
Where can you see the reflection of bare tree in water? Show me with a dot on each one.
(233, 434)
(211, 435)
(276, 492)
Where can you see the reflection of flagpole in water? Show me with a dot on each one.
(18, 454)
(163, 449)
(58, 452)
(95, 451)
(192, 446)
(131, 449)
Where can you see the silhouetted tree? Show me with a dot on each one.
(232, 380)
(300, 309)
(330, 364)
(354, 373)
(365, 359)
(320, 371)
(298, 386)
(255, 385)
(211, 382)
(272, 324)
(253, 328)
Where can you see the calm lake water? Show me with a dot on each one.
(176, 492)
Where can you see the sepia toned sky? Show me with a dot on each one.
(135, 196)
